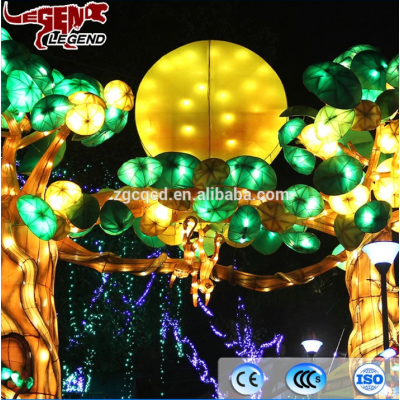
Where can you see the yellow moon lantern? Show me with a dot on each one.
(211, 99)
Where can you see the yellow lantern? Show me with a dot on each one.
(387, 188)
(61, 195)
(323, 150)
(63, 227)
(86, 98)
(85, 119)
(155, 220)
(211, 99)
(367, 117)
(119, 95)
(350, 202)
(172, 235)
(388, 138)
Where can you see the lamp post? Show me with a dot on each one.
(311, 344)
(382, 255)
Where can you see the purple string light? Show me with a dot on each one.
(75, 383)
(204, 308)
(142, 298)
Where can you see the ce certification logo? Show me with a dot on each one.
(247, 379)
(306, 379)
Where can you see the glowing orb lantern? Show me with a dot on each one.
(373, 216)
(85, 119)
(350, 202)
(152, 241)
(245, 225)
(119, 95)
(155, 220)
(140, 172)
(388, 138)
(321, 149)
(61, 195)
(211, 99)
(303, 201)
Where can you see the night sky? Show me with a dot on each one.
(289, 35)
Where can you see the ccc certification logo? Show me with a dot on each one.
(247, 379)
(369, 379)
(306, 379)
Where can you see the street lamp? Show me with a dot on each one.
(382, 255)
(311, 344)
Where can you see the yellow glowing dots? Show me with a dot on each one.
(350, 202)
(241, 102)
(119, 95)
(61, 195)
(388, 138)
(85, 119)
(323, 150)
(188, 129)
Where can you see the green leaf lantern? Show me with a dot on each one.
(290, 131)
(245, 225)
(388, 102)
(5, 35)
(18, 116)
(334, 84)
(80, 234)
(57, 76)
(39, 70)
(301, 160)
(267, 242)
(178, 169)
(346, 231)
(36, 151)
(370, 68)
(98, 138)
(14, 56)
(38, 216)
(216, 206)
(251, 173)
(338, 175)
(301, 242)
(49, 113)
(92, 81)
(116, 119)
(210, 172)
(140, 172)
(69, 86)
(23, 92)
(85, 212)
(303, 201)
(115, 217)
(337, 250)
(392, 73)
(373, 216)
(152, 241)
(331, 124)
(346, 58)
(5, 372)
(5, 102)
(300, 111)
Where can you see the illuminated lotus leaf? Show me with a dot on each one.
(387, 189)
(96, 85)
(367, 116)
(49, 113)
(173, 235)
(23, 92)
(210, 172)
(140, 172)
(57, 76)
(14, 56)
(18, 116)
(331, 124)
(69, 86)
(347, 57)
(98, 138)
(300, 111)
(388, 138)
(5, 35)
(337, 250)
(245, 225)
(61, 195)
(370, 68)
(373, 216)
(370, 94)
(79, 234)
(251, 173)
(275, 217)
(334, 84)
(5, 102)
(213, 210)
(115, 217)
(116, 119)
(267, 242)
(301, 160)
(350, 202)
(290, 131)
(174, 201)
(321, 149)
(301, 242)
(85, 119)
(347, 233)
(152, 241)
(392, 73)
(86, 98)
(39, 70)
(303, 201)
(338, 175)
(155, 220)
(85, 212)
(35, 153)
(63, 227)
(178, 169)
(119, 95)
(38, 216)
(388, 102)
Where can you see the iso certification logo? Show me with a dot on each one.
(369, 379)
(306, 379)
